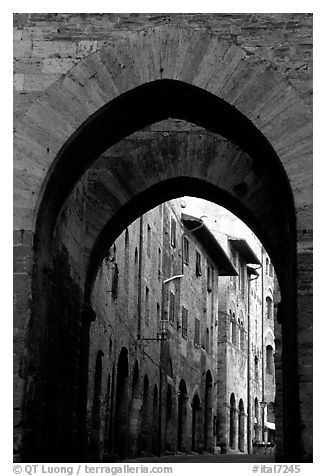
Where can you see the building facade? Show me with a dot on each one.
(168, 367)
(246, 342)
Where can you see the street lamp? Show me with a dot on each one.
(162, 335)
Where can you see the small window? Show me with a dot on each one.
(234, 262)
(173, 232)
(256, 368)
(185, 250)
(115, 281)
(234, 330)
(184, 323)
(242, 279)
(271, 270)
(242, 338)
(171, 308)
(198, 264)
(209, 278)
(269, 308)
(158, 311)
(159, 264)
(197, 332)
(147, 305)
(149, 240)
(269, 360)
(267, 266)
(207, 341)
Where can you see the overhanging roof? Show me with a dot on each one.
(245, 251)
(209, 242)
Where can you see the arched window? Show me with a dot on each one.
(269, 308)
(242, 338)
(234, 330)
(269, 360)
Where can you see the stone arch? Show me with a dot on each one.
(208, 417)
(151, 73)
(95, 442)
(241, 426)
(155, 421)
(135, 412)
(233, 422)
(196, 422)
(145, 417)
(182, 415)
(121, 409)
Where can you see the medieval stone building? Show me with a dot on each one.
(246, 340)
(113, 115)
(170, 344)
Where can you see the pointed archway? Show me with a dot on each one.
(59, 140)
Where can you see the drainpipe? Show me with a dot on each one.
(249, 421)
(139, 277)
(249, 438)
(262, 343)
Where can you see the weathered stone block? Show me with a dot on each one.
(53, 49)
(38, 82)
(57, 65)
(22, 49)
(19, 82)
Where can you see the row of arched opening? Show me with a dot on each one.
(124, 420)
(195, 421)
(135, 418)
(263, 431)
(237, 425)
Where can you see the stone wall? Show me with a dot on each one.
(53, 133)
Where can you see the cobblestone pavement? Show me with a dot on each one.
(207, 458)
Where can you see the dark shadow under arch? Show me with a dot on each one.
(129, 112)
(133, 110)
(155, 195)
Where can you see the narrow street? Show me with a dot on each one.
(206, 458)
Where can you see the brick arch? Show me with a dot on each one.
(159, 73)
